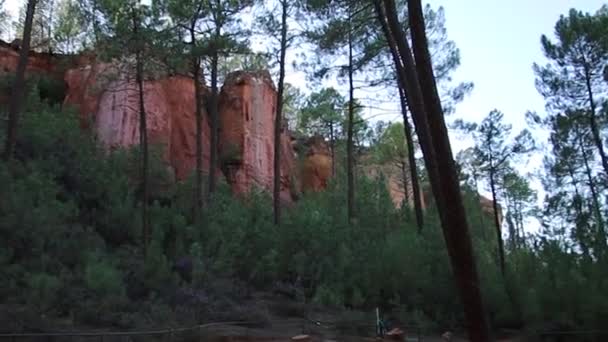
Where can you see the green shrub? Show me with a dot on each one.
(102, 277)
(42, 290)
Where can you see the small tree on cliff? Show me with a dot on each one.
(323, 114)
(223, 34)
(18, 88)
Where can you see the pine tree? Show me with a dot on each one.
(520, 201)
(494, 154)
(223, 35)
(132, 37)
(280, 29)
(69, 28)
(573, 80)
(323, 114)
(42, 25)
(377, 61)
(188, 15)
(342, 32)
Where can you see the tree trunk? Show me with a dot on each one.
(332, 147)
(601, 236)
(278, 118)
(213, 154)
(595, 131)
(409, 139)
(499, 241)
(198, 187)
(143, 134)
(578, 209)
(349, 137)
(404, 177)
(444, 177)
(18, 88)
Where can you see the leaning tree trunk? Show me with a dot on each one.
(18, 88)
(420, 87)
(409, 139)
(279, 118)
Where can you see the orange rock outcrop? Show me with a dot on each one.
(108, 104)
(316, 165)
(247, 114)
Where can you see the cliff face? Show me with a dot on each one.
(108, 104)
(247, 114)
(396, 175)
(38, 62)
(316, 165)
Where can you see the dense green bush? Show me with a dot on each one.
(71, 246)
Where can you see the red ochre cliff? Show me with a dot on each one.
(247, 114)
(106, 99)
(108, 105)
(107, 102)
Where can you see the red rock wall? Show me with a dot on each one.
(247, 113)
(109, 105)
(37, 62)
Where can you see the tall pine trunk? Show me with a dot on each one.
(404, 178)
(213, 154)
(18, 88)
(409, 139)
(499, 240)
(279, 118)
(332, 148)
(438, 157)
(601, 234)
(143, 133)
(196, 72)
(350, 129)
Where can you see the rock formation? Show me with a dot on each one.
(108, 105)
(395, 176)
(106, 98)
(247, 113)
(316, 165)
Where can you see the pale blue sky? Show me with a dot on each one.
(499, 41)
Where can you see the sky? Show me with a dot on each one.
(499, 41)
